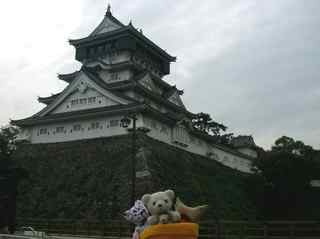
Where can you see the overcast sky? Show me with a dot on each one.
(253, 65)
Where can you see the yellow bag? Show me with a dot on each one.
(171, 231)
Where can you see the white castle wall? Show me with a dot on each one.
(77, 130)
(248, 151)
(112, 57)
(195, 145)
(110, 126)
(110, 77)
(116, 57)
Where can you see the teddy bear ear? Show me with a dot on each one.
(170, 193)
(145, 198)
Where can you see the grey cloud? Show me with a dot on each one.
(267, 83)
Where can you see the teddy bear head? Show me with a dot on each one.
(159, 202)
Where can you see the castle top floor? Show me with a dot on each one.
(112, 37)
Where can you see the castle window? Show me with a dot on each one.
(83, 101)
(100, 49)
(192, 139)
(164, 129)
(180, 135)
(59, 129)
(43, 131)
(76, 127)
(114, 77)
(107, 47)
(114, 123)
(92, 100)
(154, 124)
(114, 53)
(91, 51)
(147, 122)
(74, 102)
(95, 125)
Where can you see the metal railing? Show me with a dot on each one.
(221, 229)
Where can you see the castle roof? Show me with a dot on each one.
(111, 29)
(79, 114)
(47, 100)
(243, 141)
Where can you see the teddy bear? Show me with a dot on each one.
(160, 207)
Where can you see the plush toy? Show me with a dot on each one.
(138, 214)
(160, 207)
(192, 214)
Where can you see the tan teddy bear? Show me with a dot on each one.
(160, 207)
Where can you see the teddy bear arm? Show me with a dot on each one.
(154, 219)
(175, 216)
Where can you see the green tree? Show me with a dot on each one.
(9, 176)
(204, 123)
(289, 145)
(7, 143)
(285, 173)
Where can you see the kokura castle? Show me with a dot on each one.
(123, 73)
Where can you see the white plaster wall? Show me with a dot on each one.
(116, 57)
(105, 129)
(197, 146)
(100, 101)
(231, 160)
(109, 58)
(121, 76)
(24, 135)
(158, 130)
(315, 183)
(250, 152)
(82, 87)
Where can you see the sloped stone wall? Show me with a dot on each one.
(90, 179)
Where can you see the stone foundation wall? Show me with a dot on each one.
(90, 179)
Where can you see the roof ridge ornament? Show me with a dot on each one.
(108, 9)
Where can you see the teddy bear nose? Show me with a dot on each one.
(159, 205)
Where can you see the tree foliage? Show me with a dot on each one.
(7, 143)
(204, 123)
(291, 146)
(285, 173)
(9, 177)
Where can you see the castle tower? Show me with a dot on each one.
(122, 73)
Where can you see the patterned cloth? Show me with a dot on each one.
(137, 215)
